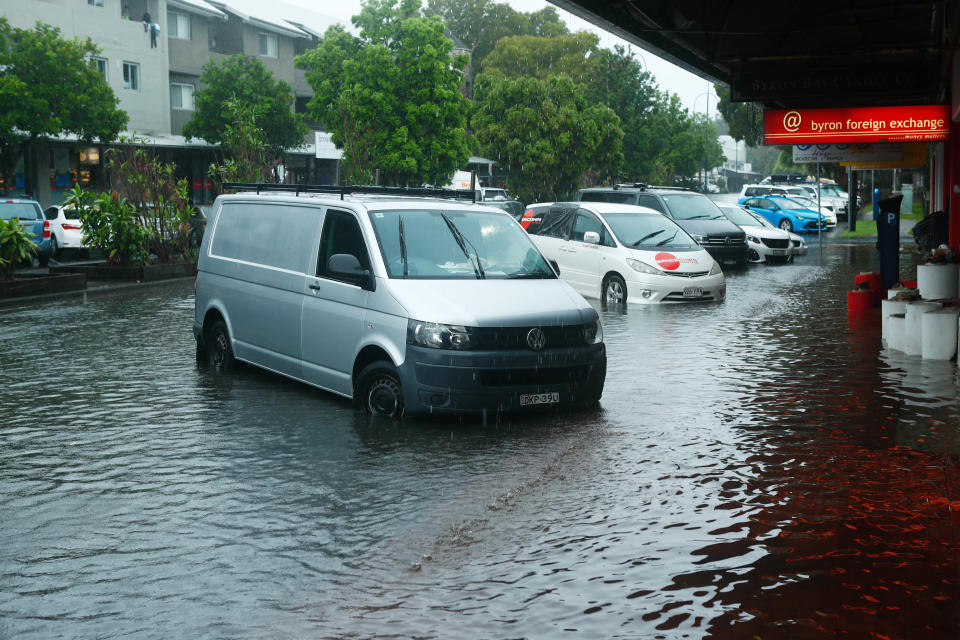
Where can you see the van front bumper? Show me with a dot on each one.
(444, 382)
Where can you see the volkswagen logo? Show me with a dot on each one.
(535, 339)
(792, 121)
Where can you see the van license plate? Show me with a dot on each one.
(539, 398)
(692, 292)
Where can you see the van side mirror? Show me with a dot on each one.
(346, 267)
(591, 237)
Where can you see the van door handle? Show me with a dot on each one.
(315, 286)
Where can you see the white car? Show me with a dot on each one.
(66, 231)
(765, 242)
(826, 211)
(623, 253)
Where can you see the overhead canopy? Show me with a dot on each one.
(818, 53)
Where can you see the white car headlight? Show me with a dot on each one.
(753, 239)
(642, 267)
(716, 268)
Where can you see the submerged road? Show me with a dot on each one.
(759, 468)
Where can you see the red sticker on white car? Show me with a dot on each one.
(667, 261)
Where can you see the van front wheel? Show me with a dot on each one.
(378, 390)
(218, 345)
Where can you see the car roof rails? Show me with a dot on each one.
(344, 190)
(671, 188)
(631, 185)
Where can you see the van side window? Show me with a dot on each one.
(619, 197)
(341, 234)
(650, 201)
(279, 237)
(557, 223)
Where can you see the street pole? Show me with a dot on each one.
(819, 212)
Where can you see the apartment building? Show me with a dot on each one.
(152, 55)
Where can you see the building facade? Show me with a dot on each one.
(152, 55)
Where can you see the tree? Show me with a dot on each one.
(538, 57)
(745, 119)
(49, 86)
(390, 97)
(248, 81)
(546, 132)
(480, 24)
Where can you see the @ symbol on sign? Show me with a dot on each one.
(791, 121)
(535, 339)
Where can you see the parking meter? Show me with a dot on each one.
(886, 212)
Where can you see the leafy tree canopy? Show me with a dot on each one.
(480, 24)
(745, 119)
(390, 97)
(246, 80)
(538, 57)
(546, 132)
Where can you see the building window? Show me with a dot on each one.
(101, 66)
(95, 3)
(181, 96)
(131, 76)
(268, 45)
(179, 25)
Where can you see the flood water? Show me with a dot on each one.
(760, 468)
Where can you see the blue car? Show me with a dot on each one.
(785, 213)
(30, 215)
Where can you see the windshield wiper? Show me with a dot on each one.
(647, 237)
(663, 242)
(700, 217)
(528, 275)
(403, 245)
(463, 242)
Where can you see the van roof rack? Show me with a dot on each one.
(456, 194)
(631, 185)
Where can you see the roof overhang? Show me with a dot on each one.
(816, 54)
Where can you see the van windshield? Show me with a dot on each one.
(464, 245)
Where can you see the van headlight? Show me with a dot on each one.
(642, 267)
(440, 336)
(716, 268)
(593, 332)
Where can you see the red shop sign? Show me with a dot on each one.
(921, 123)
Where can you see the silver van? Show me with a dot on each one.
(407, 305)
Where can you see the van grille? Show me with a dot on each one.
(506, 338)
(723, 241)
(533, 377)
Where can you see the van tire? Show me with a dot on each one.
(218, 344)
(378, 390)
(614, 291)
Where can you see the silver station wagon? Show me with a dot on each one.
(406, 304)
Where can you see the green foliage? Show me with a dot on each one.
(246, 157)
(246, 80)
(390, 97)
(480, 24)
(159, 200)
(111, 225)
(745, 119)
(15, 247)
(50, 86)
(536, 57)
(546, 132)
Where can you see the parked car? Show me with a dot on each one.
(825, 211)
(623, 253)
(695, 212)
(66, 230)
(30, 215)
(493, 193)
(766, 242)
(407, 305)
(829, 198)
(785, 213)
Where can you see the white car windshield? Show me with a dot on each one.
(430, 244)
(790, 205)
(642, 230)
(740, 217)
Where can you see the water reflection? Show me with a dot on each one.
(760, 467)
